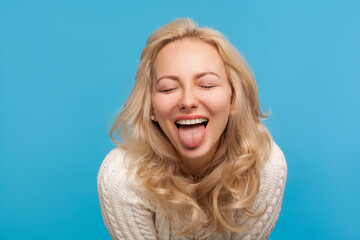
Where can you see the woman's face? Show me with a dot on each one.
(191, 99)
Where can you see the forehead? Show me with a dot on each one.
(187, 55)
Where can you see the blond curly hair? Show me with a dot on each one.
(231, 181)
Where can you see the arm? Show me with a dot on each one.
(125, 214)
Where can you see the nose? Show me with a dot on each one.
(188, 99)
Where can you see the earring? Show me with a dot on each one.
(153, 117)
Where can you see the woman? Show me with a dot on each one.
(196, 161)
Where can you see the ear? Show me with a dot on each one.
(153, 117)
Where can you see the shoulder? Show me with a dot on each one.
(272, 185)
(274, 171)
(269, 199)
(272, 179)
(114, 178)
(112, 173)
(112, 165)
(126, 212)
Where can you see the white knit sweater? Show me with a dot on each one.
(129, 215)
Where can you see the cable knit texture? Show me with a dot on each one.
(128, 214)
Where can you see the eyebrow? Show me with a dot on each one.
(197, 76)
(169, 77)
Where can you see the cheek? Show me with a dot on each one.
(162, 106)
(219, 105)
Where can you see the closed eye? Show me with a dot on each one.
(167, 90)
(207, 87)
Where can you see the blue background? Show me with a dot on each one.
(67, 66)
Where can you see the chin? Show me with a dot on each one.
(198, 153)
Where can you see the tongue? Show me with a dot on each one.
(191, 136)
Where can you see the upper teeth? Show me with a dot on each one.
(192, 121)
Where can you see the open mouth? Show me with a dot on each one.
(192, 122)
(192, 131)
